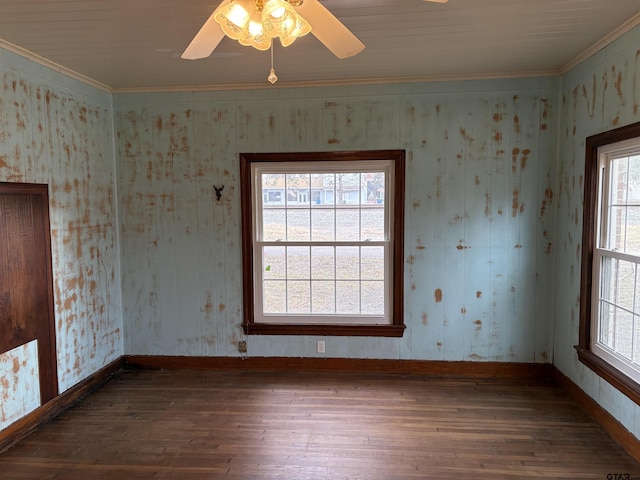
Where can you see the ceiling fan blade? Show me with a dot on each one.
(437, 1)
(206, 40)
(329, 30)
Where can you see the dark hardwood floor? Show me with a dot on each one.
(204, 425)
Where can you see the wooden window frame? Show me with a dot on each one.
(601, 367)
(397, 326)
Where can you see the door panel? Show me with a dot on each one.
(26, 285)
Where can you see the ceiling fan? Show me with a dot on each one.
(248, 20)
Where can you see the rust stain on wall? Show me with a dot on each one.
(478, 294)
(618, 84)
(516, 206)
(514, 159)
(524, 158)
(475, 356)
(438, 295)
(591, 102)
(487, 204)
(468, 138)
(547, 199)
(425, 319)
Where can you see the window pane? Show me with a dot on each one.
(322, 189)
(298, 263)
(372, 263)
(636, 340)
(273, 224)
(323, 224)
(348, 224)
(617, 227)
(298, 189)
(348, 263)
(624, 333)
(633, 230)
(323, 263)
(323, 296)
(607, 279)
(273, 262)
(298, 296)
(625, 276)
(348, 297)
(298, 224)
(372, 226)
(373, 298)
(348, 189)
(375, 185)
(275, 295)
(607, 324)
(619, 182)
(273, 189)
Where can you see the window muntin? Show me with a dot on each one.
(326, 260)
(322, 242)
(615, 325)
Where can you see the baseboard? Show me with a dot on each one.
(345, 365)
(27, 424)
(614, 428)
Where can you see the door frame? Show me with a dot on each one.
(45, 332)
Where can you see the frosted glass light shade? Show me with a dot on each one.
(234, 17)
(281, 20)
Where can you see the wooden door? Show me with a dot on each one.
(26, 284)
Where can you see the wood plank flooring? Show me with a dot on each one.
(207, 425)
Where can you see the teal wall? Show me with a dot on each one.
(600, 94)
(59, 131)
(479, 223)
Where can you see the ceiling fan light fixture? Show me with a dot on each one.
(233, 17)
(255, 36)
(299, 28)
(280, 19)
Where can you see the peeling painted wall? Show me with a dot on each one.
(479, 225)
(600, 94)
(59, 131)
(19, 383)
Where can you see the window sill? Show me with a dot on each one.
(619, 380)
(325, 330)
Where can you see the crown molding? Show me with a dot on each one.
(338, 83)
(602, 43)
(23, 52)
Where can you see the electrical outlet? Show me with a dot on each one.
(320, 346)
(242, 346)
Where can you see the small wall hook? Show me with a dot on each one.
(218, 191)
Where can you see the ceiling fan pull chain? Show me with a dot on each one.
(273, 78)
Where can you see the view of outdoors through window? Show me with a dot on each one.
(324, 242)
(619, 302)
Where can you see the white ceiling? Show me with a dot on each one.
(136, 44)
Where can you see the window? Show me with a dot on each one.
(327, 257)
(609, 340)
